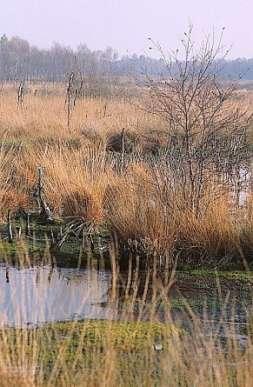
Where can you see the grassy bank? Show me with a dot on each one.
(122, 354)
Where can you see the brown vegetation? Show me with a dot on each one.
(112, 168)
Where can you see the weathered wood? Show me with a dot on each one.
(9, 228)
(44, 210)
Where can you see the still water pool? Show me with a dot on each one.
(38, 294)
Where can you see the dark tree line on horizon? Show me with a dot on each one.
(21, 61)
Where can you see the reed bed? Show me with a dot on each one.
(128, 192)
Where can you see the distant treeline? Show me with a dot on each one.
(19, 61)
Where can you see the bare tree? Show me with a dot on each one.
(73, 92)
(69, 97)
(207, 132)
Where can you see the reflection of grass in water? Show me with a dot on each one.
(205, 291)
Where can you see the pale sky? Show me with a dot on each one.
(126, 24)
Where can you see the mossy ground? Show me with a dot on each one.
(85, 346)
(204, 278)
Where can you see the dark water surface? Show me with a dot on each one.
(45, 293)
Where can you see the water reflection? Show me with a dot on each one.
(45, 294)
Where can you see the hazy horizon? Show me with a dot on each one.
(127, 25)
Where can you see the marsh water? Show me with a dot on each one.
(38, 294)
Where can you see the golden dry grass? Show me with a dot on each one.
(82, 179)
(74, 159)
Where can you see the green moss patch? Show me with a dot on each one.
(86, 347)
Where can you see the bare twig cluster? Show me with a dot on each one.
(207, 135)
(74, 91)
